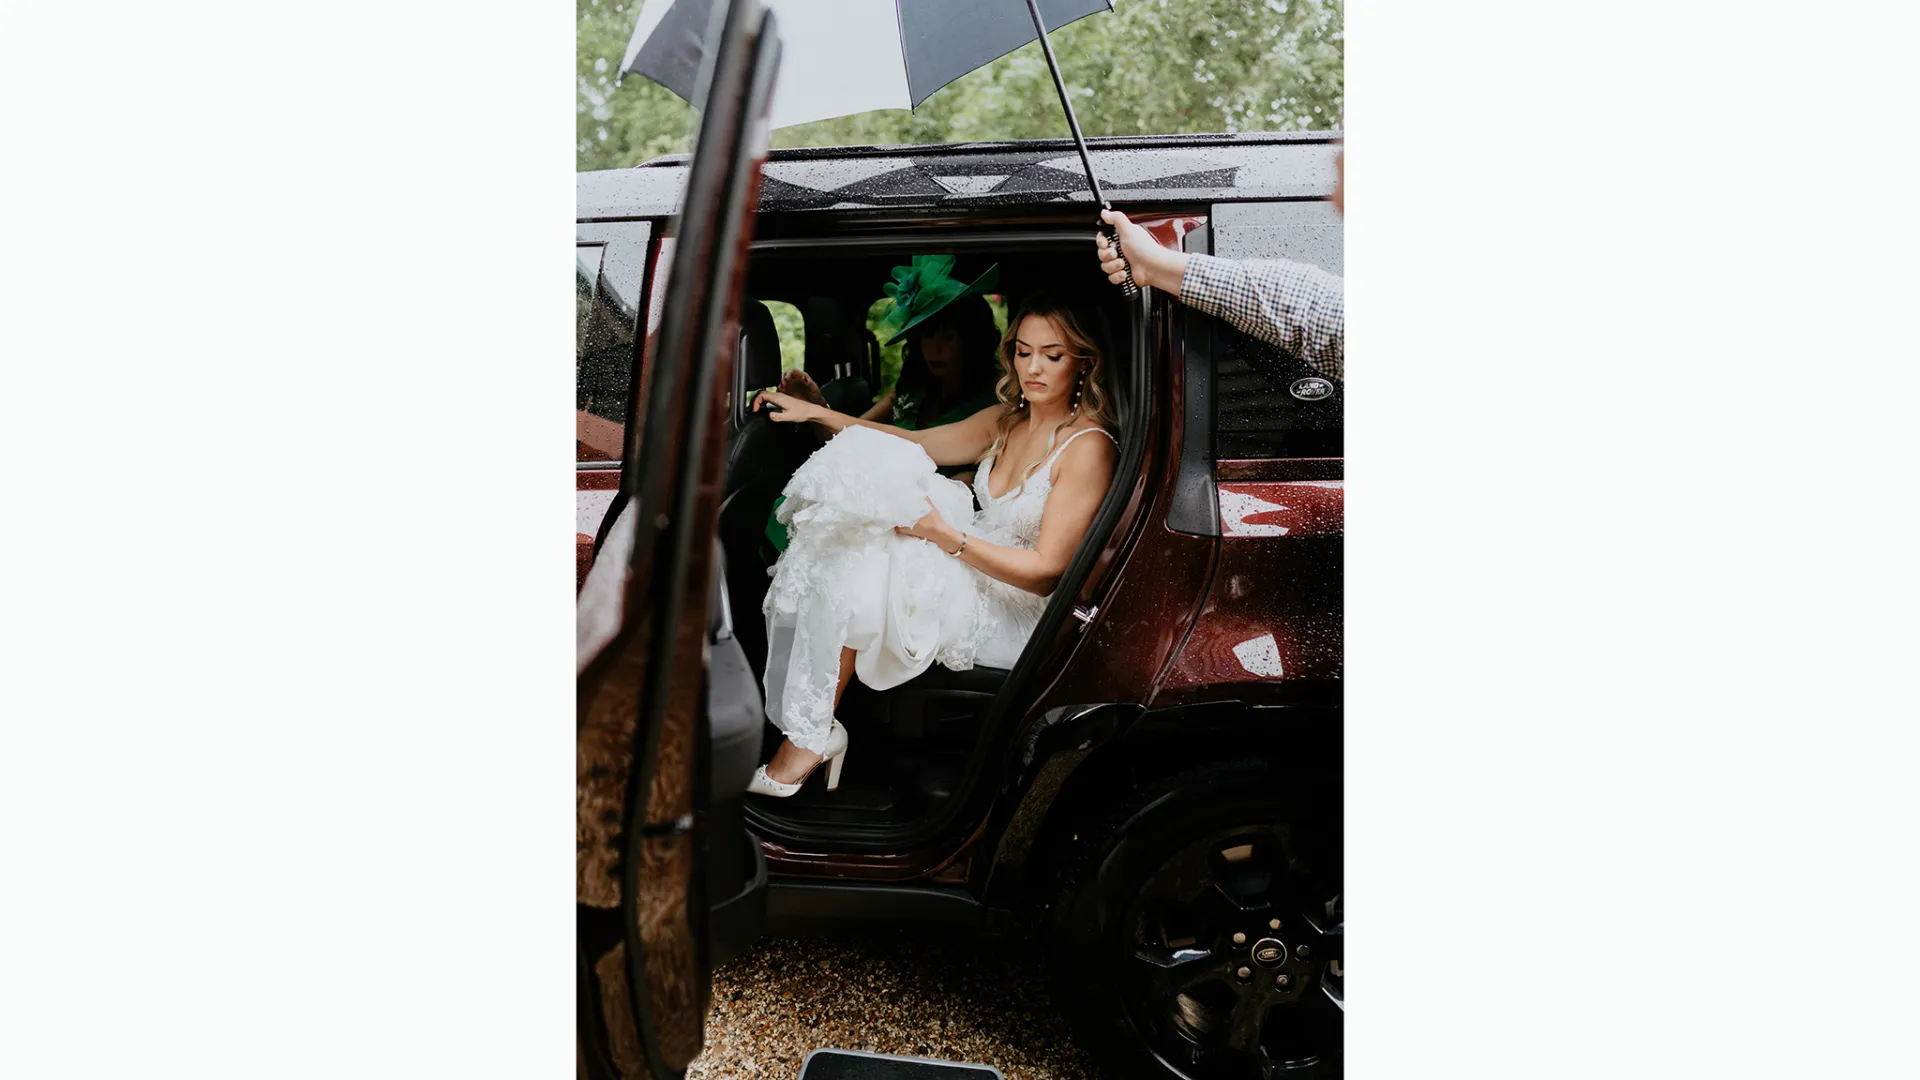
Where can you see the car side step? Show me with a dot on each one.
(858, 1065)
(794, 904)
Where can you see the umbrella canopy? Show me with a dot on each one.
(840, 57)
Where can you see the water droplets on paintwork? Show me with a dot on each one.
(1261, 656)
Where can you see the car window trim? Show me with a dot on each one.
(922, 241)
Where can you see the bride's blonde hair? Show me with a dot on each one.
(1092, 400)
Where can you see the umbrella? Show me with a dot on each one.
(846, 56)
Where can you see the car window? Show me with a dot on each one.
(892, 355)
(603, 357)
(1267, 405)
(792, 328)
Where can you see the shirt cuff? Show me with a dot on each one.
(1203, 281)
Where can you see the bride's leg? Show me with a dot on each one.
(846, 673)
(790, 763)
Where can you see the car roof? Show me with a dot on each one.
(1132, 170)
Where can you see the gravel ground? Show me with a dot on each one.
(911, 992)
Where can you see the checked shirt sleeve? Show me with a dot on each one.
(1299, 307)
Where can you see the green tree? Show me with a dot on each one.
(1147, 67)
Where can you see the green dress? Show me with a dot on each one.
(777, 533)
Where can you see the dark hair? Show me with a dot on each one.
(972, 318)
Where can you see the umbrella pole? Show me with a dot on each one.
(1127, 287)
(1060, 86)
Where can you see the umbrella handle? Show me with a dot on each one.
(1128, 288)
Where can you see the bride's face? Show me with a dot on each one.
(1043, 361)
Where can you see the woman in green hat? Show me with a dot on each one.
(947, 372)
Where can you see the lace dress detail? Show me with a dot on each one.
(847, 579)
(1007, 614)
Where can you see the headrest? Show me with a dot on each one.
(759, 346)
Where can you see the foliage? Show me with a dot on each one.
(891, 356)
(791, 326)
(1149, 66)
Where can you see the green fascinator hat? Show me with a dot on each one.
(924, 287)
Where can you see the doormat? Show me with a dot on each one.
(856, 1065)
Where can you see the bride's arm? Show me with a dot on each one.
(882, 406)
(1081, 478)
(961, 443)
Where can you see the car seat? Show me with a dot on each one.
(841, 355)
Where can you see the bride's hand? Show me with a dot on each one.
(785, 408)
(932, 528)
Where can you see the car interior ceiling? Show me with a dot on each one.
(914, 741)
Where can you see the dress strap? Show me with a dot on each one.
(1062, 448)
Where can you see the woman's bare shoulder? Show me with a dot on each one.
(1093, 453)
(1087, 424)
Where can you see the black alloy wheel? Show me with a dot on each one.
(1202, 936)
(1234, 962)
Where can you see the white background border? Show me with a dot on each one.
(286, 775)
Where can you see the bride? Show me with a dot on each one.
(890, 569)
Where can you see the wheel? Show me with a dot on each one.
(1196, 932)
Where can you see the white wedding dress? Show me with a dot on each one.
(902, 604)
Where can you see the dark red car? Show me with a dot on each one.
(1153, 791)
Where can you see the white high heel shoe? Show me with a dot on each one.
(836, 756)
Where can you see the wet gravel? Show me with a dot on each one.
(919, 993)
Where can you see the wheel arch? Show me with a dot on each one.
(1101, 754)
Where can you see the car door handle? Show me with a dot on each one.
(680, 826)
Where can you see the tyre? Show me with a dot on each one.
(1196, 931)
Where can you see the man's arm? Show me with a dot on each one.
(1299, 307)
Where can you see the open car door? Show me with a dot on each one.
(660, 847)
